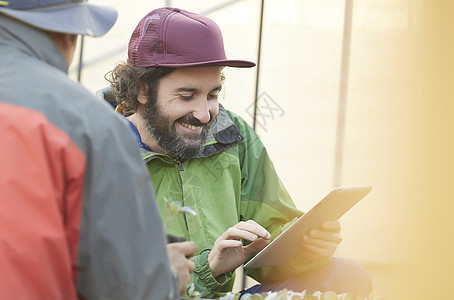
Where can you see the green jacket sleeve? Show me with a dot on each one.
(265, 200)
(203, 279)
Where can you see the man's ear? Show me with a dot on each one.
(63, 40)
(142, 97)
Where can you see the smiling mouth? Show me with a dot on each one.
(190, 126)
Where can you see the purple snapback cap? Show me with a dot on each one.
(67, 16)
(172, 37)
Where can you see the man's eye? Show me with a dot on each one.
(213, 96)
(186, 97)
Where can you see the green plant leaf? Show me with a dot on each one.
(174, 208)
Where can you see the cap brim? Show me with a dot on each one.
(224, 63)
(80, 18)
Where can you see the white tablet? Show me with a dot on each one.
(284, 247)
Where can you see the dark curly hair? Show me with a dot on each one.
(125, 79)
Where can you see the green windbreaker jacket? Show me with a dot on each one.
(232, 180)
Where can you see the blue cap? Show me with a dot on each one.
(67, 16)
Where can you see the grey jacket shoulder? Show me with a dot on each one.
(122, 253)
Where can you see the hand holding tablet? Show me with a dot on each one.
(330, 208)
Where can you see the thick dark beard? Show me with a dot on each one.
(166, 136)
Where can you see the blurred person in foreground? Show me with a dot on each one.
(78, 217)
(206, 157)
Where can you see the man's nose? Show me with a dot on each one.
(202, 111)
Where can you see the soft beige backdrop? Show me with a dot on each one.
(300, 73)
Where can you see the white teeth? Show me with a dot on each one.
(190, 126)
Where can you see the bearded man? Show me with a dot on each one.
(207, 158)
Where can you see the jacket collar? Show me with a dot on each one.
(223, 134)
(29, 40)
